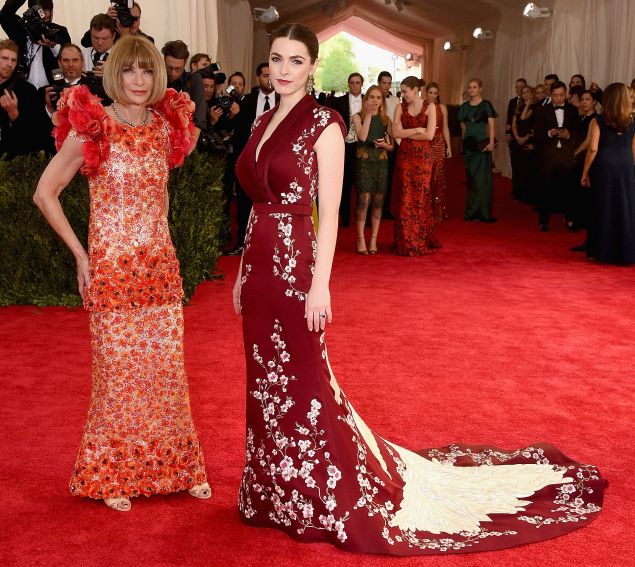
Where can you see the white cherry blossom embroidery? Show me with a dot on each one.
(294, 457)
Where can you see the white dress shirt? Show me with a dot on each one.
(262, 99)
(355, 106)
(391, 103)
(89, 52)
(37, 75)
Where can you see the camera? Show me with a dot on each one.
(59, 84)
(123, 7)
(95, 82)
(33, 22)
(213, 71)
(225, 99)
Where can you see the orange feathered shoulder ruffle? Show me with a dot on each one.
(177, 109)
(78, 109)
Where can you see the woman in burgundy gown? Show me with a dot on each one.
(441, 150)
(313, 468)
(415, 123)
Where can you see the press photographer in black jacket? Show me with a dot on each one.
(38, 57)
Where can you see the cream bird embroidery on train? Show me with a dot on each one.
(442, 498)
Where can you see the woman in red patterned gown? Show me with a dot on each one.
(415, 123)
(139, 436)
(313, 468)
(441, 150)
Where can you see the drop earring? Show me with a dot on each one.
(310, 84)
(270, 84)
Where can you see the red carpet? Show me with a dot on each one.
(502, 337)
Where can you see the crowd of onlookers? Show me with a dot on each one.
(553, 133)
(547, 126)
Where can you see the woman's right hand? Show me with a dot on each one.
(83, 275)
(236, 295)
(368, 108)
(585, 181)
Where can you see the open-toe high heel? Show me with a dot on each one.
(360, 250)
(372, 249)
(202, 491)
(119, 504)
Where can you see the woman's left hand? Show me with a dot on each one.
(317, 309)
(448, 152)
(489, 147)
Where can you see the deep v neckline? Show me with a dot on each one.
(261, 145)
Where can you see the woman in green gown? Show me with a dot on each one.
(477, 117)
(374, 141)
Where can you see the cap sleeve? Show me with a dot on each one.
(177, 109)
(324, 117)
(80, 116)
(489, 109)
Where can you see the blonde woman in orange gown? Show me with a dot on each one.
(139, 437)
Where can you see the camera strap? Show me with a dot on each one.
(32, 54)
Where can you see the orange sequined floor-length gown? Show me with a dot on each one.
(414, 225)
(437, 181)
(139, 436)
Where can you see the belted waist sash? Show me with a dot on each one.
(267, 208)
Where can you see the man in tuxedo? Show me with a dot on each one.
(384, 80)
(20, 115)
(39, 58)
(347, 105)
(512, 106)
(549, 81)
(261, 99)
(71, 64)
(555, 133)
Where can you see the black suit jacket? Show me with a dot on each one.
(512, 105)
(10, 23)
(245, 119)
(546, 120)
(342, 106)
(24, 135)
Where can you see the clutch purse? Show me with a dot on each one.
(482, 144)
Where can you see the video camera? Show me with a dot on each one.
(123, 7)
(33, 22)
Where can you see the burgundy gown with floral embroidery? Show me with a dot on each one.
(313, 468)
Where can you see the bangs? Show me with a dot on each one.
(140, 55)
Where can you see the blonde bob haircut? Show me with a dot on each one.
(126, 52)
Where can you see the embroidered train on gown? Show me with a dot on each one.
(313, 468)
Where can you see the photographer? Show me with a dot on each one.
(103, 30)
(68, 74)
(38, 53)
(20, 120)
(176, 54)
(124, 15)
(127, 21)
(199, 61)
(237, 80)
(222, 108)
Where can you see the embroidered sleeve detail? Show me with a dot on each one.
(81, 116)
(177, 109)
(325, 117)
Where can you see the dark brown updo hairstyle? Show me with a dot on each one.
(300, 33)
(413, 82)
(433, 85)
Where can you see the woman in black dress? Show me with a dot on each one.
(608, 171)
(523, 132)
